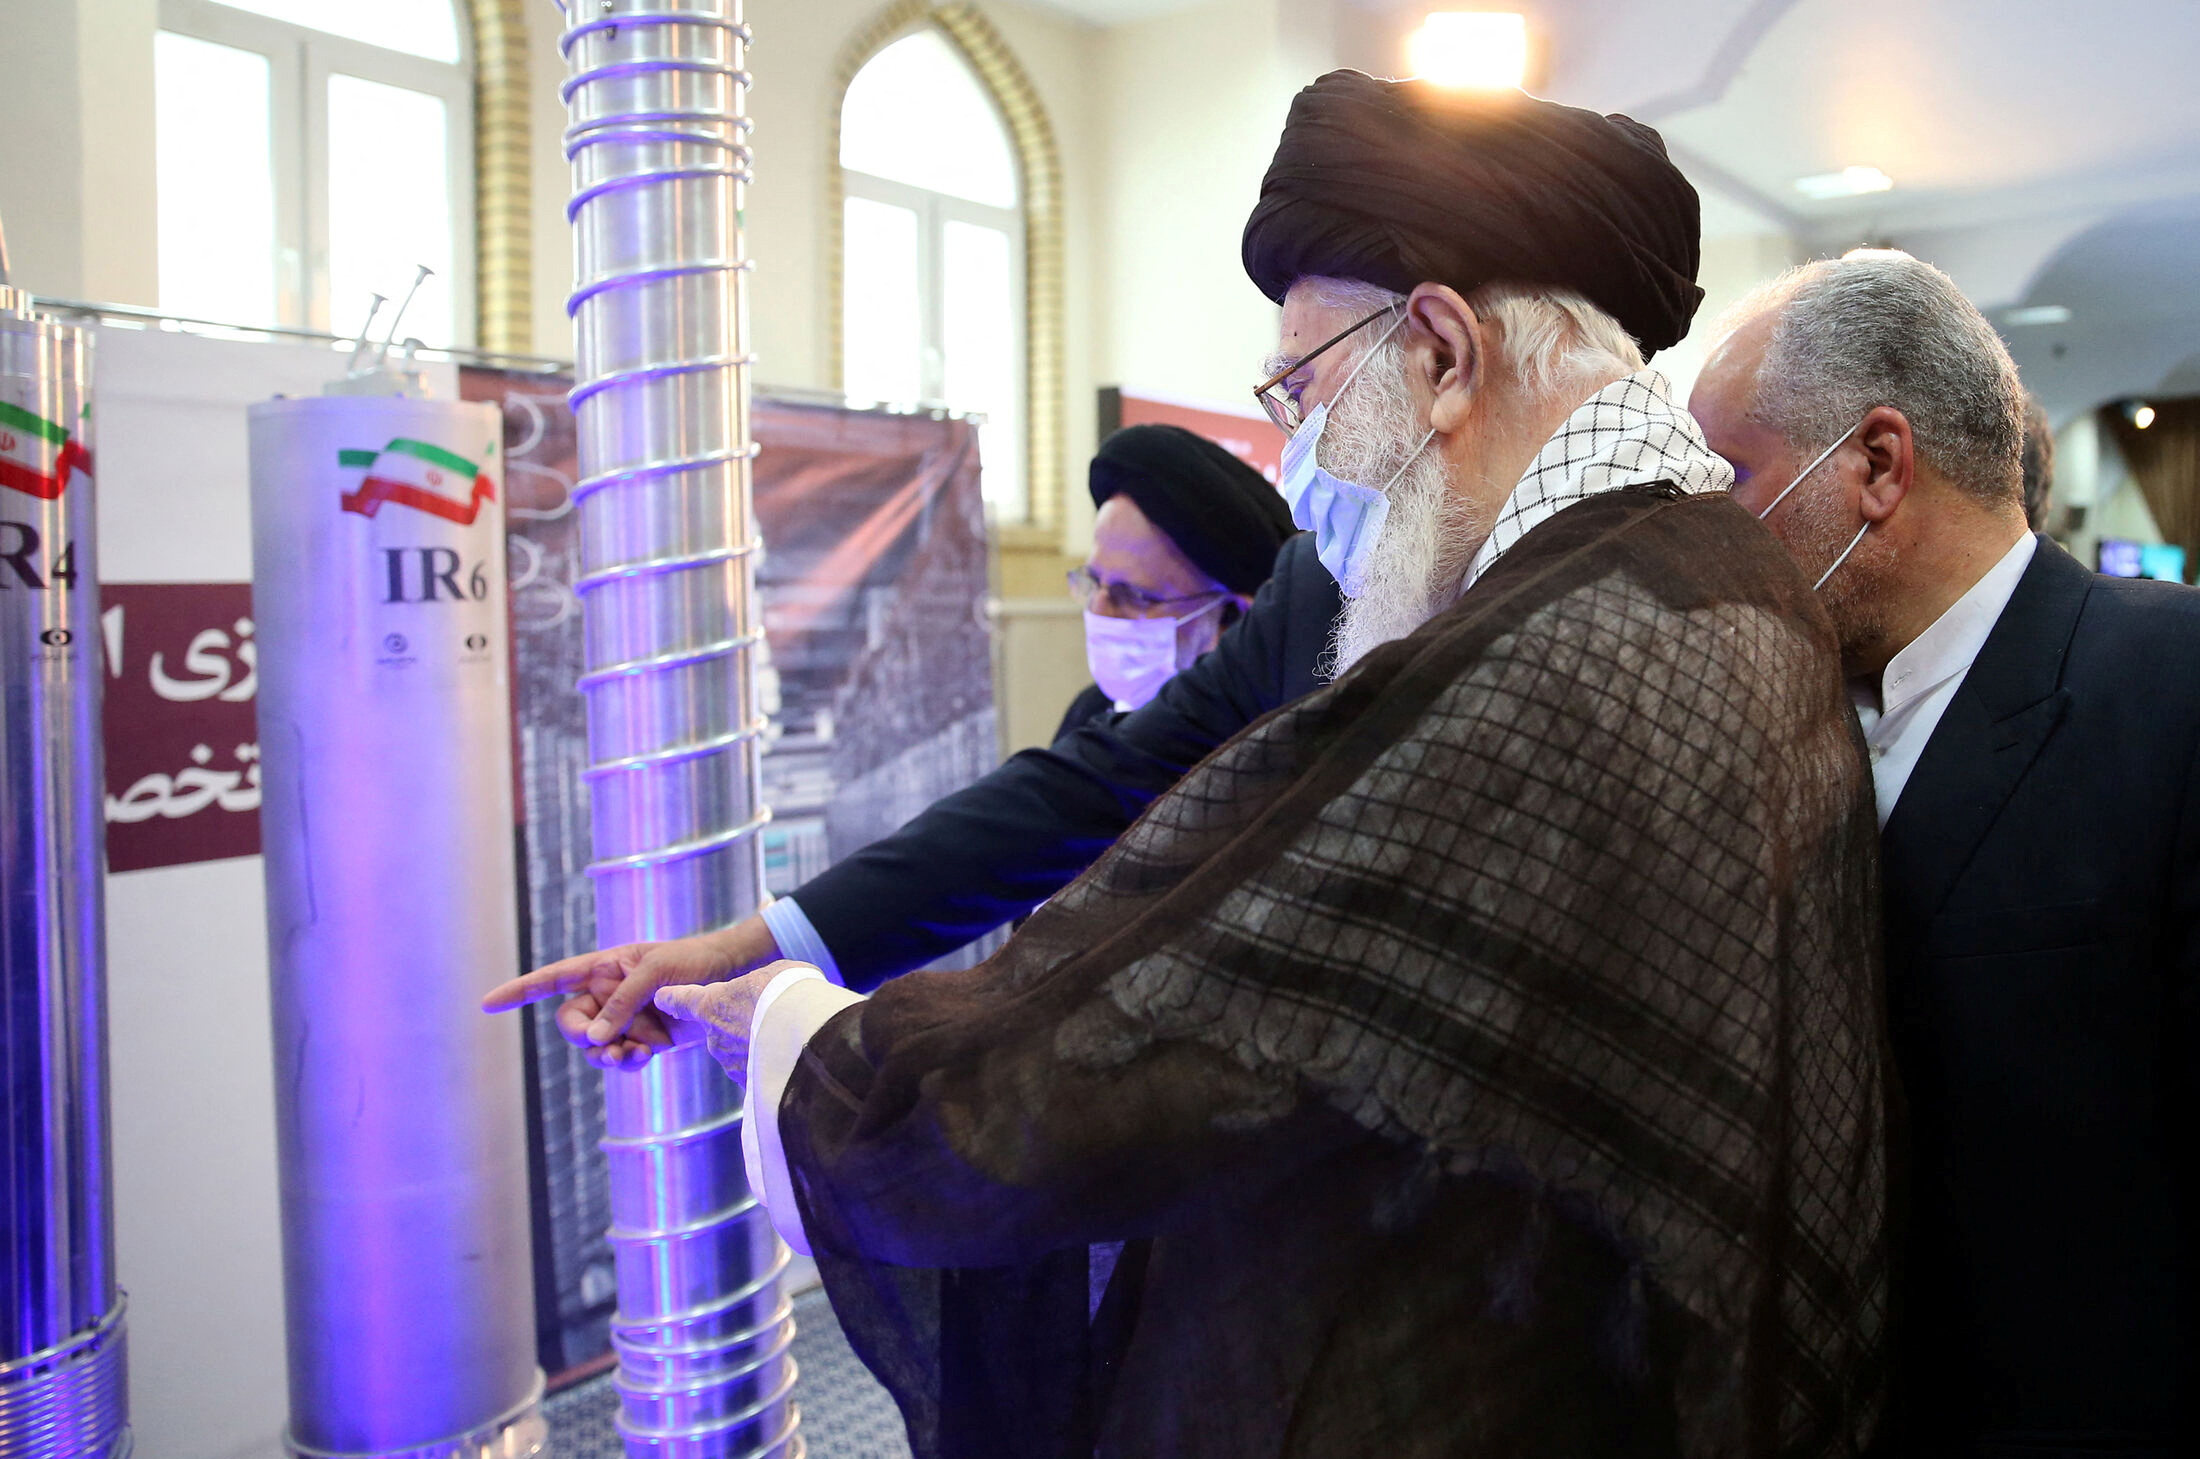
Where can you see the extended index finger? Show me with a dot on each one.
(566, 975)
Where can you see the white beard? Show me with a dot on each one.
(1418, 565)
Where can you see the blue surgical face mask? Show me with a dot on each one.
(1345, 517)
(1800, 477)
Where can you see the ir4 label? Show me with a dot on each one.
(24, 562)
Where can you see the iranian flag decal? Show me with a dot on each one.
(36, 455)
(417, 475)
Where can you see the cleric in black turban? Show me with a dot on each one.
(1397, 183)
(1220, 512)
(1186, 535)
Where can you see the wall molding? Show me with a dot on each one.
(504, 272)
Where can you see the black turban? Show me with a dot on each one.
(1397, 183)
(1220, 512)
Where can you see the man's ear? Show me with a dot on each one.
(1890, 462)
(1444, 344)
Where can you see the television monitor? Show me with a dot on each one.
(2164, 560)
(2121, 558)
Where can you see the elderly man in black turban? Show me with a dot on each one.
(1186, 535)
(1383, 182)
(1481, 1055)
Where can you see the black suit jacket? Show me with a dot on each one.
(997, 849)
(2042, 873)
(1089, 705)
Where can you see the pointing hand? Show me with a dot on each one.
(607, 1010)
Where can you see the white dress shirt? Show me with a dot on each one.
(792, 1008)
(1630, 433)
(1900, 712)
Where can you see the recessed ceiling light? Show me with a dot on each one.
(1849, 182)
(2037, 314)
(1483, 50)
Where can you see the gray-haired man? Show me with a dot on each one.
(2034, 732)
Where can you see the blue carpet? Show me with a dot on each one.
(845, 1414)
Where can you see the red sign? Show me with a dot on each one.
(1246, 434)
(182, 739)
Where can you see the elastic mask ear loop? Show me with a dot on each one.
(1844, 557)
(1212, 605)
(1361, 363)
(1354, 374)
(1401, 471)
(1804, 475)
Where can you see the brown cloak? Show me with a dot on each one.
(1482, 1056)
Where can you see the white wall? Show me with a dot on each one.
(1192, 103)
(76, 172)
(42, 167)
(198, 1222)
(1731, 267)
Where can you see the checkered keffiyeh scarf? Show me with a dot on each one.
(1575, 886)
(1630, 433)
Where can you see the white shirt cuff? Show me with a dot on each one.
(797, 937)
(794, 1005)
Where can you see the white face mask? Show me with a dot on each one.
(1817, 462)
(1131, 658)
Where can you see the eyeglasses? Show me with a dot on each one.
(1125, 599)
(1281, 404)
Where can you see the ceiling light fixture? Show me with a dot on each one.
(2141, 413)
(2032, 314)
(1849, 182)
(1480, 50)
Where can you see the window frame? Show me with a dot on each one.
(1039, 170)
(934, 211)
(300, 61)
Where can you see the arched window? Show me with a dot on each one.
(933, 245)
(310, 153)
